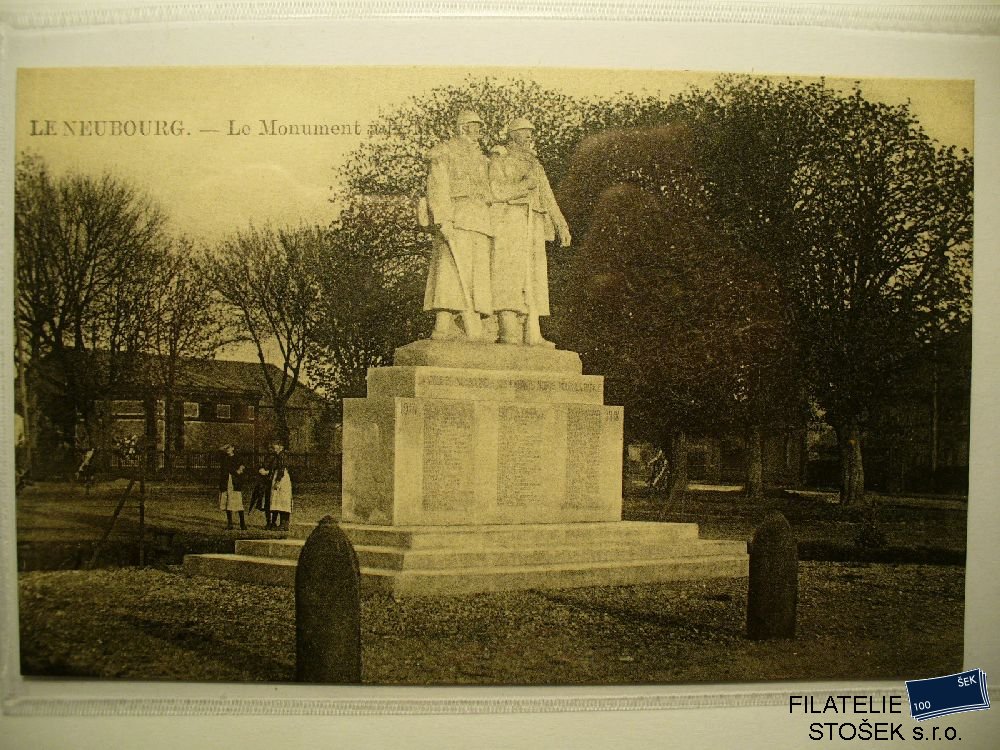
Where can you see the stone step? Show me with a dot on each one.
(443, 560)
(263, 571)
(282, 549)
(460, 581)
(463, 354)
(513, 535)
(478, 580)
(393, 558)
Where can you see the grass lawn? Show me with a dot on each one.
(855, 622)
(58, 523)
(817, 520)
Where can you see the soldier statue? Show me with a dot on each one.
(525, 216)
(458, 198)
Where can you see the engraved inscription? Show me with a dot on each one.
(517, 384)
(583, 458)
(448, 456)
(363, 481)
(521, 450)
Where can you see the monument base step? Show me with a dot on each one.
(441, 561)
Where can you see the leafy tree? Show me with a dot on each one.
(87, 253)
(392, 160)
(269, 280)
(369, 314)
(867, 221)
(387, 174)
(923, 428)
(843, 233)
(371, 294)
(686, 331)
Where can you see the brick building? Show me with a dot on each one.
(213, 402)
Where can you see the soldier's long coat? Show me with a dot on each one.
(523, 220)
(458, 190)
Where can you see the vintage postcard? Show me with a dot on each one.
(383, 375)
(549, 344)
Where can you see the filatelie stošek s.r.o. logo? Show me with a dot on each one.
(951, 694)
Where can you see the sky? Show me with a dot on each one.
(211, 183)
(212, 179)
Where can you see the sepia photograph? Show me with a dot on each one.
(491, 376)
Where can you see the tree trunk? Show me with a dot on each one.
(935, 417)
(755, 464)
(23, 453)
(281, 425)
(678, 477)
(852, 472)
(149, 452)
(168, 435)
(714, 472)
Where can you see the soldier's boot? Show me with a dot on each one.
(229, 519)
(444, 326)
(473, 325)
(511, 329)
(243, 520)
(285, 518)
(533, 333)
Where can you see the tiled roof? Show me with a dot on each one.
(239, 377)
(211, 375)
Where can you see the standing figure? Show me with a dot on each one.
(525, 217)
(231, 486)
(458, 198)
(279, 483)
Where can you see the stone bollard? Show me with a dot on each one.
(774, 581)
(328, 608)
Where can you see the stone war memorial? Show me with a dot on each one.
(480, 462)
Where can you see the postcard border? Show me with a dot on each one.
(26, 697)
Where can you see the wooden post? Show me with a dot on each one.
(143, 459)
(111, 526)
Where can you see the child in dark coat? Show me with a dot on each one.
(231, 486)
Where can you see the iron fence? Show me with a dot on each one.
(198, 465)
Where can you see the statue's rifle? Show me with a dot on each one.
(424, 220)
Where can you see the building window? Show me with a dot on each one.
(128, 408)
(160, 408)
(191, 410)
(223, 411)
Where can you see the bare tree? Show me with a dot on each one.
(188, 324)
(372, 292)
(270, 280)
(87, 251)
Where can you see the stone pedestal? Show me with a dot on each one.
(438, 444)
(484, 467)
